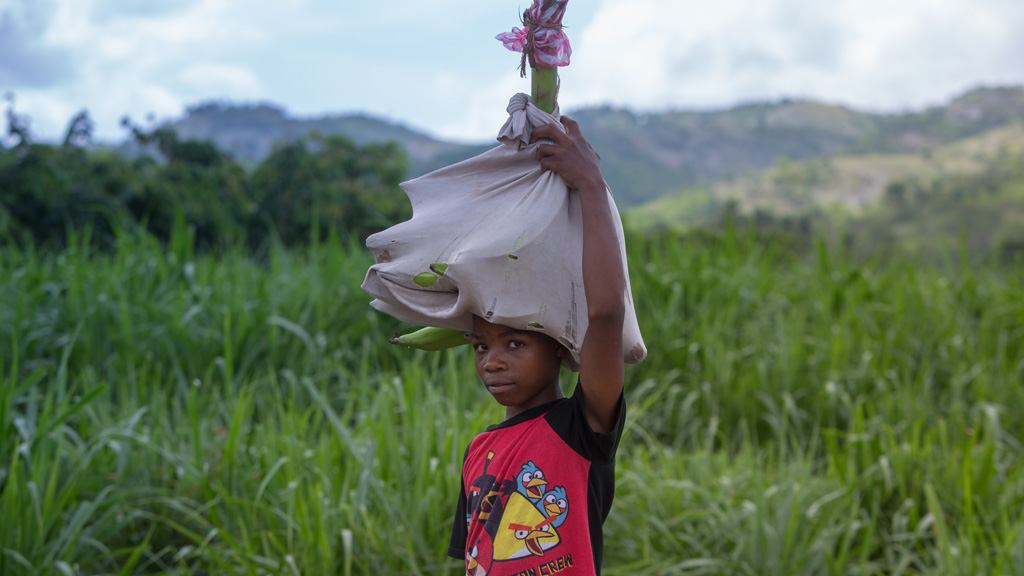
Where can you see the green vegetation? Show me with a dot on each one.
(192, 382)
(168, 411)
(983, 211)
(303, 189)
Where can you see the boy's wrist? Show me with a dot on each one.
(591, 186)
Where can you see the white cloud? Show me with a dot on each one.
(479, 113)
(879, 53)
(225, 79)
(139, 63)
(438, 67)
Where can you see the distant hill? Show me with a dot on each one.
(648, 155)
(849, 181)
(964, 196)
(249, 132)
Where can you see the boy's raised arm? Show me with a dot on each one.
(601, 361)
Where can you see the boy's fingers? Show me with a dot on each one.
(539, 134)
(571, 126)
(546, 155)
(549, 131)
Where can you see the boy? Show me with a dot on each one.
(537, 487)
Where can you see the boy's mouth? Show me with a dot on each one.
(498, 386)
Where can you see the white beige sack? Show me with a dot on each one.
(502, 240)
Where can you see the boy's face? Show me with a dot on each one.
(519, 368)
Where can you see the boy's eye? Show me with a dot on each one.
(515, 344)
(479, 346)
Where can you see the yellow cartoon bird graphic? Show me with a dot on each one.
(524, 531)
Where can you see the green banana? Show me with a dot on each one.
(428, 279)
(431, 338)
(425, 279)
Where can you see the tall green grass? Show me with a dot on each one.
(163, 411)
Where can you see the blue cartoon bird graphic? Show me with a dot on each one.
(556, 503)
(531, 482)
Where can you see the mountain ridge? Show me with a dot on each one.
(646, 155)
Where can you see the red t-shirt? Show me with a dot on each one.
(536, 490)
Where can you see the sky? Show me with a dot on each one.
(436, 67)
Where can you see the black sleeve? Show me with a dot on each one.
(569, 421)
(460, 531)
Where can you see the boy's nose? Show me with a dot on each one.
(494, 362)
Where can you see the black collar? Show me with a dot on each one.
(525, 415)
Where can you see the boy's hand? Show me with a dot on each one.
(571, 156)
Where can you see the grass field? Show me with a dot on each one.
(163, 411)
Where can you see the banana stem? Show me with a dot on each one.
(544, 84)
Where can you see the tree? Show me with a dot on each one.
(328, 183)
(194, 178)
(47, 190)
